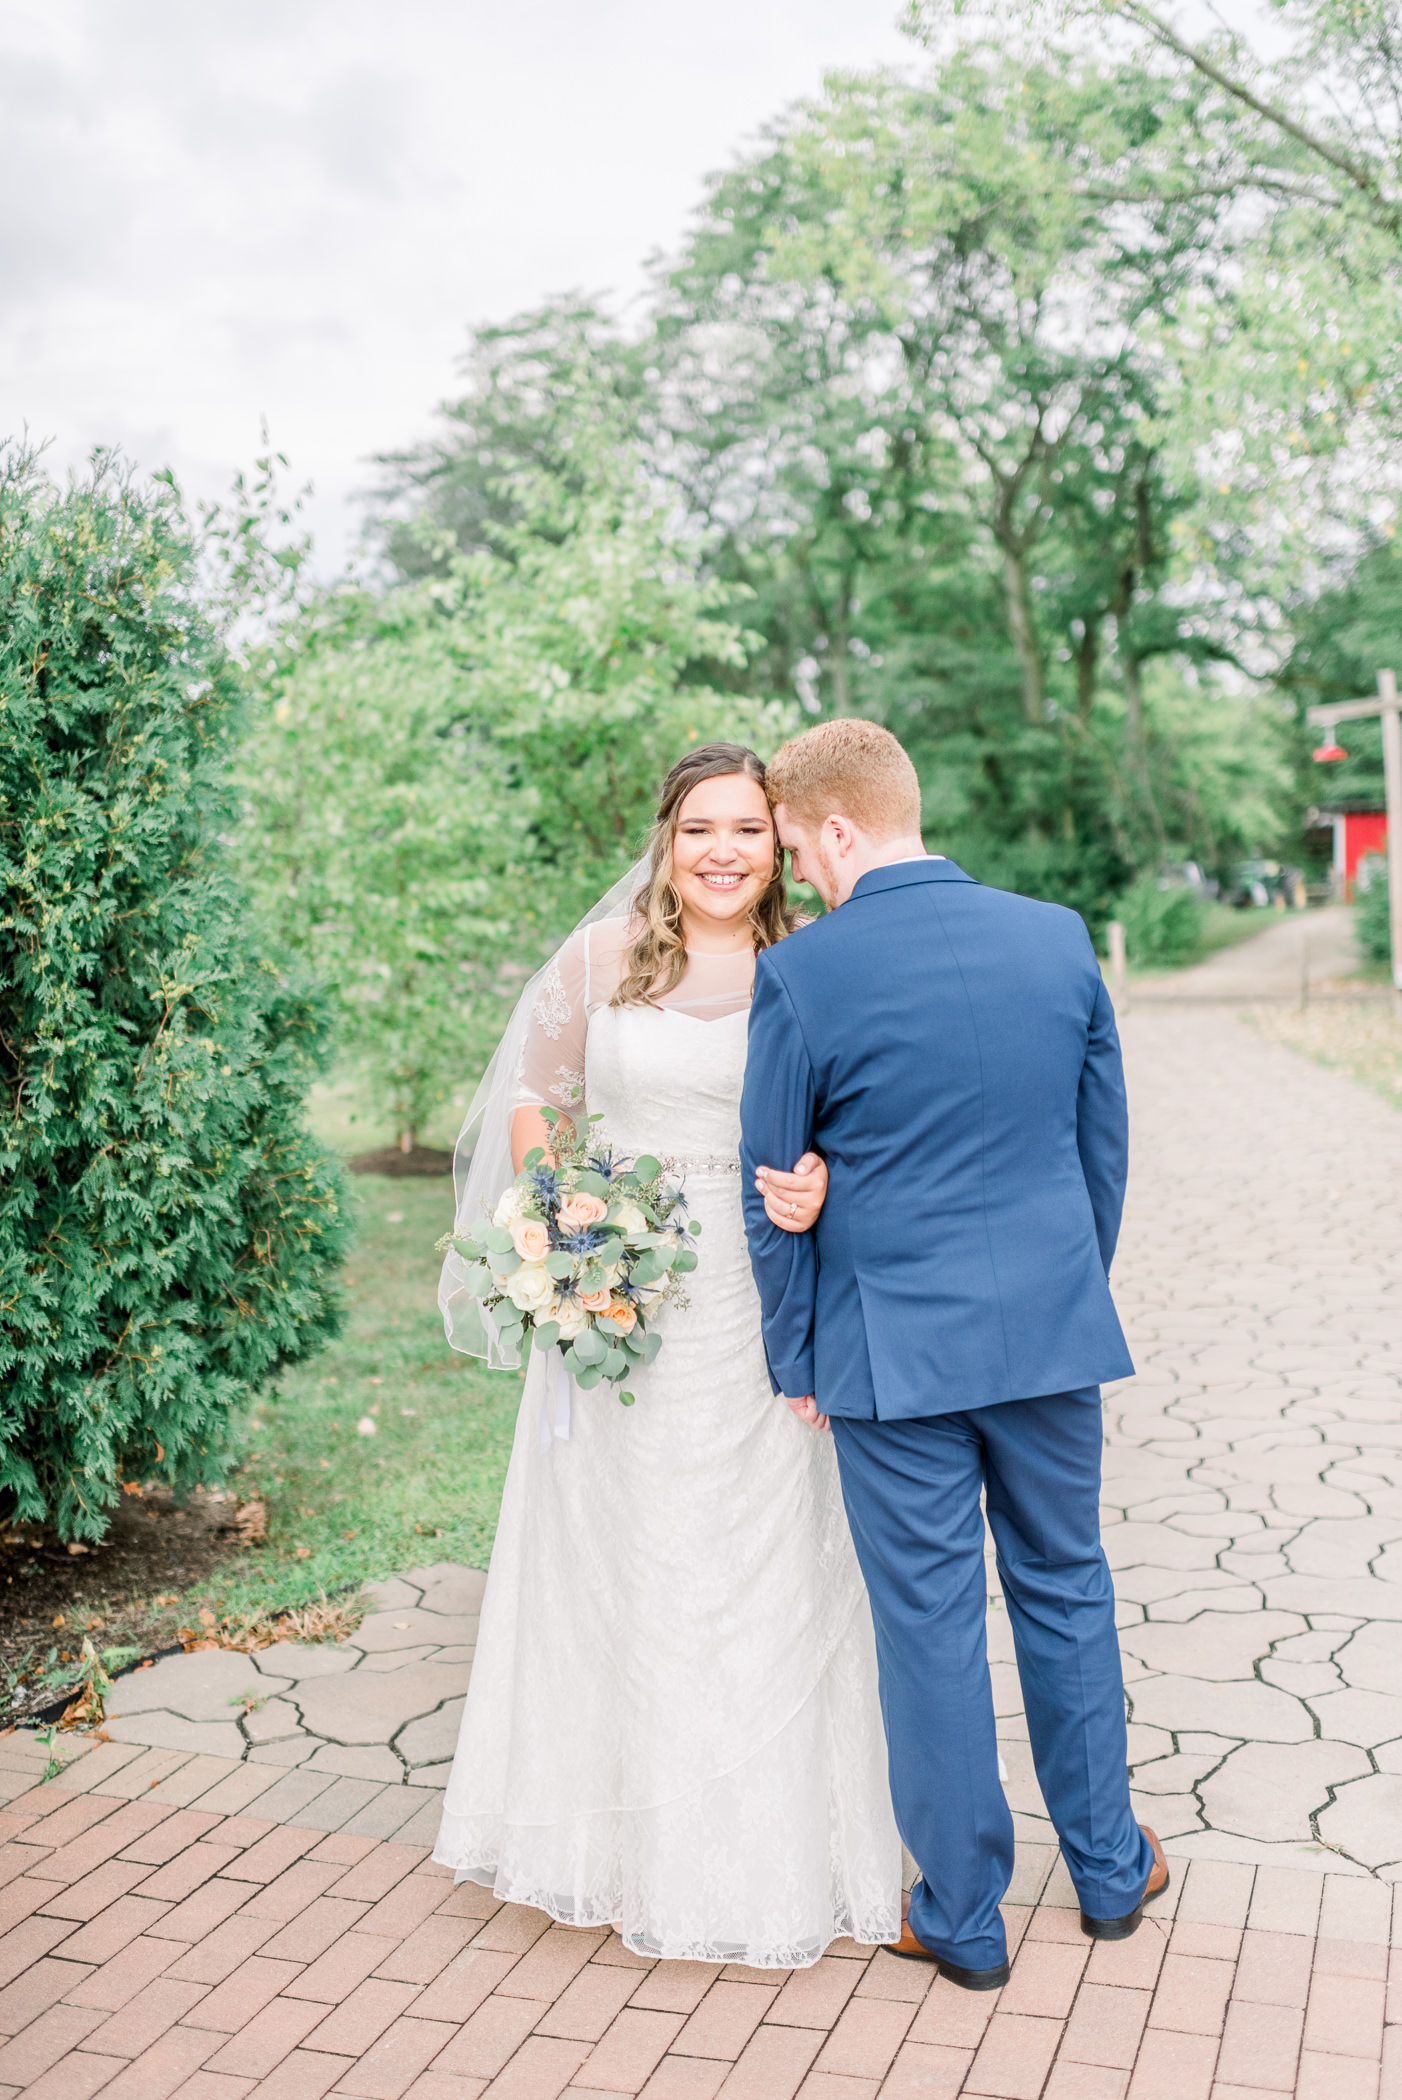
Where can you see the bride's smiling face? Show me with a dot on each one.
(722, 856)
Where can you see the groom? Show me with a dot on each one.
(952, 1051)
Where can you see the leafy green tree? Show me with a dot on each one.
(169, 1232)
(924, 384)
(451, 773)
(916, 368)
(540, 390)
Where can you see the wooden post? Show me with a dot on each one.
(1389, 706)
(1392, 779)
(1115, 942)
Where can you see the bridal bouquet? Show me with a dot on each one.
(579, 1254)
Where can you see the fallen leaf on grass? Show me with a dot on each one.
(252, 1523)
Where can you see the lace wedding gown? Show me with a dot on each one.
(672, 1723)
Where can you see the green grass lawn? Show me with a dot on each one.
(425, 1487)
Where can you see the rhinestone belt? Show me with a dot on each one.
(712, 1163)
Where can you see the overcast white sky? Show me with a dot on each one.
(211, 213)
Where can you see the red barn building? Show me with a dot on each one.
(1358, 831)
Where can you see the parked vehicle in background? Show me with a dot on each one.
(1267, 884)
(1187, 875)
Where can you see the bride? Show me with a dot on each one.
(672, 1724)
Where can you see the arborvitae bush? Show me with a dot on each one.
(170, 1234)
(1373, 926)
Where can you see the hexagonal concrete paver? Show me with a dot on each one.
(200, 1687)
(1371, 1659)
(160, 1730)
(357, 1761)
(391, 1594)
(1269, 1790)
(372, 1708)
(1218, 1645)
(271, 1723)
(298, 1659)
(1246, 1708)
(434, 1739)
(458, 1596)
(412, 1627)
(1366, 1819)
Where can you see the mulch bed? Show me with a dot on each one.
(120, 1593)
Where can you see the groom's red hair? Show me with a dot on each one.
(850, 769)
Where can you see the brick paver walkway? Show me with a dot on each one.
(179, 1921)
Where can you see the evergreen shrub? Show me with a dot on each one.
(170, 1234)
(1163, 928)
(1372, 920)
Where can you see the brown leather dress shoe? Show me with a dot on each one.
(909, 1948)
(1121, 1928)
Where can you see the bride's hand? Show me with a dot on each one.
(793, 1201)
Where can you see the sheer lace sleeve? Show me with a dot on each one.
(552, 1059)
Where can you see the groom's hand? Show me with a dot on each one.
(807, 1411)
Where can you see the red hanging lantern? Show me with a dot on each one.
(1331, 750)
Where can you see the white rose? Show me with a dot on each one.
(628, 1218)
(649, 1293)
(572, 1318)
(531, 1288)
(510, 1208)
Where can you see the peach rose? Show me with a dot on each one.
(596, 1301)
(580, 1213)
(621, 1318)
(531, 1239)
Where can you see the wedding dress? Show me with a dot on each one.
(672, 1724)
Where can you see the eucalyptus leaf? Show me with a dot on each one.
(590, 1347)
(615, 1364)
(626, 1400)
(534, 1157)
(559, 1264)
(651, 1344)
(694, 1226)
(684, 1262)
(477, 1282)
(647, 1168)
(592, 1280)
(506, 1264)
(589, 1377)
(498, 1239)
(592, 1184)
(547, 1334)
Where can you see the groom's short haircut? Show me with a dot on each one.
(851, 769)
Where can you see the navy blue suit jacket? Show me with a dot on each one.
(951, 1050)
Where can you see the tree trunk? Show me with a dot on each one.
(1023, 629)
(408, 1139)
(1086, 660)
(1135, 748)
(1134, 704)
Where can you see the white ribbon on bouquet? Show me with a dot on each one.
(555, 1400)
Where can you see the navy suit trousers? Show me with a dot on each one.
(912, 1493)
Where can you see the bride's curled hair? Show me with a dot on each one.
(656, 961)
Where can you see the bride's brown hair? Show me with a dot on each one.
(655, 962)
